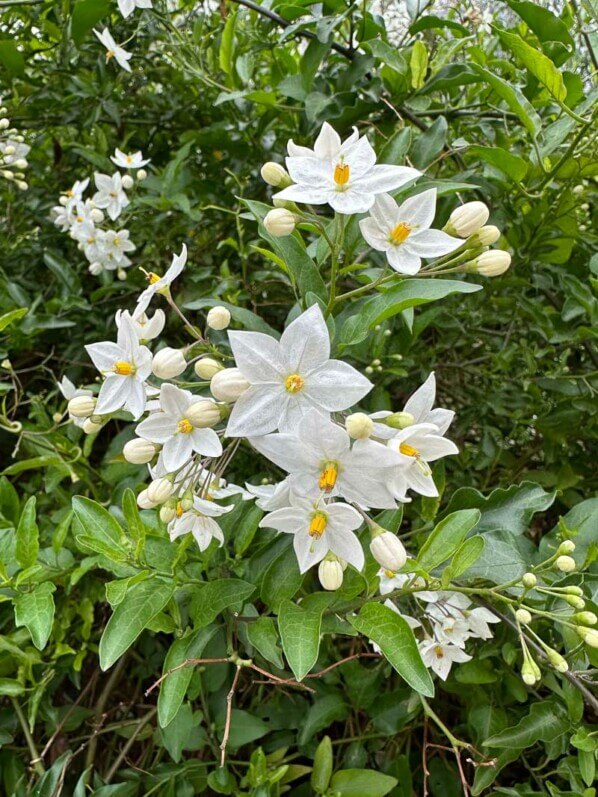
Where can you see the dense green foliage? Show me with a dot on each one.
(97, 602)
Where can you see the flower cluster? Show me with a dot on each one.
(105, 249)
(13, 152)
(114, 50)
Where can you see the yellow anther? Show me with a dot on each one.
(179, 509)
(129, 159)
(294, 383)
(439, 652)
(400, 233)
(341, 173)
(318, 524)
(152, 278)
(109, 55)
(117, 242)
(408, 450)
(389, 574)
(328, 476)
(123, 368)
(184, 426)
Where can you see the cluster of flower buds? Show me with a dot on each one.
(13, 152)
(469, 221)
(105, 249)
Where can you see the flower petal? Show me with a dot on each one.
(374, 235)
(257, 411)
(353, 200)
(328, 142)
(104, 355)
(346, 545)
(419, 210)
(174, 401)
(402, 260)
(303, 193)
(207, 442)
(257, 356)
(158, 428)
(136, 399)
(422, 401)
(281, 449)
(432, 243)
(310, 171)
(309, 550)
(305, 343)
(336, 385)
(360, 158)
(176, 452)
(383, 178)
(288, 520)
(113, 395)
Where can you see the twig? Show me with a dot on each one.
(186, 663)
(130, 742)
(65, 717)
(425, 755)
(330, 667)
(36, 761)
(99, 712)
(229, 711)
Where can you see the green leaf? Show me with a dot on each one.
(323, 764)
(513, 98)
(430, 21)
(282, 579)
(12, 59)
(446, 538)
(512, 165)
(183, 733)
(9, 501)
(466, 556)
(505, 557)
(27, 535)
(408, 293)
(14, 315)
(396, 641)
(218, 595)
(326, 710)
(85, 15)
(263, 635)
(10, 687)
(419, 64)
(35, 610)
(361, 783)
(430, 144)
(143, 602)
(103, 533)
(544, 722)
(174, 688)
(135, 525)
(546, 25)
(540, 66)
(299, 627)
(225, 54)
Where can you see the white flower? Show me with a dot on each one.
(16, 151)
(421, 408)
(345, 176)
(478, 620)
(110, 194)
(290, 377)
(121, 56)
(417, 445)
(403, 231)
(440, 657)
(133, 160)
(200, 522)
(75, 194)
(114, 244)
(175, 433)
(327, 145)
(389, 582)
(319, 459)
(319, 528)
(161, 284)
(126, 7)
(70, 391)
(271, 496)
(126, 365)
(146, 328)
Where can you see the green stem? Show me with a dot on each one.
(429, 712)
(36, 761)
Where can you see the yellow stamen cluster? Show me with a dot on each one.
(123, 368)
(152, 278)
(342, 173)
(184, 426)
(400, 233)
(408, 450)
(318, 524)
(328, 476)
(294, 383)
(179, 509)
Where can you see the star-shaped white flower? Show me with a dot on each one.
(416, 446)
(159, 284)
(320, 460)
(327, 145)
(440, 657)
(200, 522)
(290, 377)
(114, 245)
(134, 160)
(403, 231)
(346, 177)
(110, 195)
(146, 328)
(126, 7)
(125, 366)
(319, 528)
(120, 55)
(421, 406)
(171, 429)
(270, 496)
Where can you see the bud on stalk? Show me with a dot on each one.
(168, 363)
(276, 175)
(207, 367)
(280, 222)
(387, 549)
(467, 219)
(139, 451)
(82, 406)
(228, 385)
(218, 318)
(330, 573)
(359, 426)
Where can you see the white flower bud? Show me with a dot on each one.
(127, 182)
(168, 512)
(275, 174)
(7, 175)
(96, 215)
(467, 219)
(523, 616)
(566, 564)
(21, 164)
(399, 420)
(566, 547)
(4, 123)
(95, 268)
(143, 501)
(573, 600)
(589, 636)
(121, 274)
(388, 550)
(168, 363)
(485, 236)
(207, 367)
(359, 425)
(141, 175)
(279, 222)
(529, 580)
(10, 149)
(228, 385)
(330, 573)
(82, 406)
(218, 318)
(558, 662)
(160, 490)
(139, 451)
(491, 263)
(64, 200)
(92, 426)
(204, 413)
(21, 185)
(585, 618)
(530, 672)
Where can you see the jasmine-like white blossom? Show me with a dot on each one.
(199, 521)
(416, 446)
(110, 195)
(125, 365)
(420, 408)
(403, 231)
(159, 284)
(134, 160)
(440, 656)
(146, 328)
(344, 176)
(320, 460)
(126, 7)
(120, 55)
(290, 377)
(318, 528)
(171, 429)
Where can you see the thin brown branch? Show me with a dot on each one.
(229, 712)
(182, 665)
